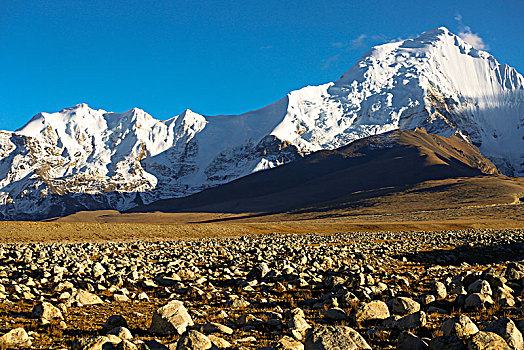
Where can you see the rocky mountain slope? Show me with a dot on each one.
(81, 158)
(383, 164)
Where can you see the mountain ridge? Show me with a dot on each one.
(435, 81)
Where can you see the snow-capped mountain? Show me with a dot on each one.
(81, 158)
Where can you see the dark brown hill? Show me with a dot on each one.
(368, 167)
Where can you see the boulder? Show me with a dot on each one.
(409, 341)
(487, 341)
(86, 298)
(219, 342)
(338, 337)
(288, 343)
(374, 310)
(403, 306)
(446, 343)
(507, 329)
(478, 301)
(213, 327)
(170, 319)
(194, 340)
(114, 321)
(16, 338)
(411, 321)
(460, 326)
(92, 343)
(47, 311)
(439, 290)
(480, 286)
(121, 332)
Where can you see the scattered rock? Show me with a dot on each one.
(170, 319)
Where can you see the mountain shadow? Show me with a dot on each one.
(369, 167)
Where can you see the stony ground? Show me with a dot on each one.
(382, 290)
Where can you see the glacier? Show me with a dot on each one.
(82, 159)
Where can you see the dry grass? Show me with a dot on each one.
(495, 217)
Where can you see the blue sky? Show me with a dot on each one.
(214, 57)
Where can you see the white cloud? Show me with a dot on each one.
(358, 42)
(328, 62)
(338, 44)
(473, 39)
(353, 44)
(468, 36)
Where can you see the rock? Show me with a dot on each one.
(478, 301)
(170, 319)
(447, 343)
(374, 310)
(194, 340)
(335, 314)
(154, 345)
(409, 341)
(46, 311)
(439, 290)
(126, 345)
(121, 332)
(507, 329)
(16, 338)
(98, 270)
(347, 299)
(404, 306)
(86, 298)
(92, 343)
(411, 321)
(114, 321)
(427, 299)
(460, 326)
(297, 322)
(249, 320)
(480, 286)
(219, 342)
(288, 343)
(212, 327)
(487, 341)
(503, 291)
(334, 337)
(142, 296)
(240, 303)
(259, 271)
(120, 298)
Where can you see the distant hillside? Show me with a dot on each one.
(383, 162)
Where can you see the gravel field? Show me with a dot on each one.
(382, 290)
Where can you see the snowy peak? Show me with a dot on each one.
(99, 159)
